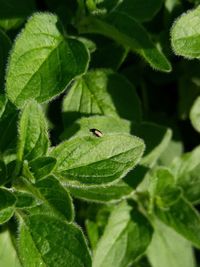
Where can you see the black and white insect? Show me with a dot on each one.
(96, 132)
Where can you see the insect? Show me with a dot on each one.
(96, 132)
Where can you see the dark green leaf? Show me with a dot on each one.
(102, 92)
(45, 240)
(5, 45)
(8, 122)
(7, 205)
(25, 200)
(56, 196)
(13, 12)
(128, 32)
(42, 166)
(156, 138)
(43, 62)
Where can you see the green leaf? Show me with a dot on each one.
(42, 166)
(195, 114)
(185, 34)
(183, 218)
(45, 240)
(33, 135)
(5, 45)
(125, 30)
(108, 54)
(102, 92)
(156, 139)
(141, 10)
(112, 193)
(55, 196)
(8, 122)
(162, 187)
(126, 237)
(13, 12)
(25, 200)
(3, 172)
(43, 62)
(8, 254)
(169, 248)
(90, 160)
(105, 124)
(186, 170)
(7, 204)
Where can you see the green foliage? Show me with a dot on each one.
(99, 133)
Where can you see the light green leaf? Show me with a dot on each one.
(33, 135)
(183, 218)
(102, 92)
(186, 170)
(42, 166)
(125, 30)
(45, 240)
(13, 12)
(195, 114)
(7, 205)
(5, 45)
(8, 256)
(126, 237)
(169, 248)
(90, 160)
(43, 62)
(185, 34)
(55, 196)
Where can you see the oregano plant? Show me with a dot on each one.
(99, 133)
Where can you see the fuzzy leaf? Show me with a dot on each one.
(186, 34)
(42, 166)
(56, 196)
(7, 204)
(125, 30)
(102, 92)
(45, 240)
(33, 135)
(43, 62)
(90, 160)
